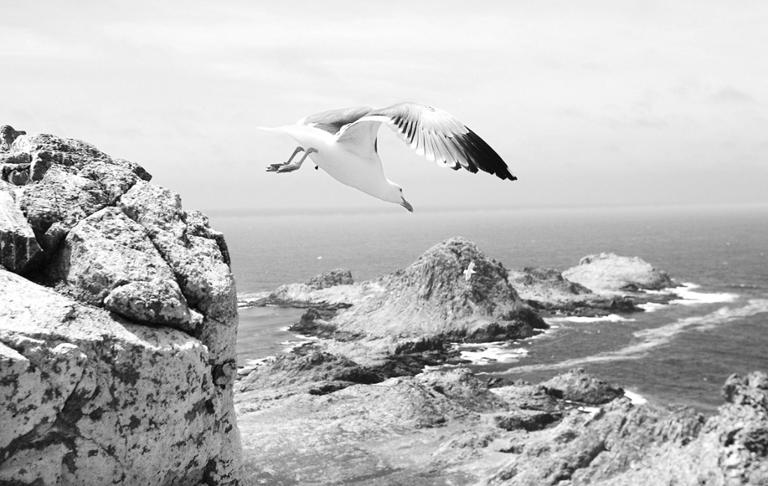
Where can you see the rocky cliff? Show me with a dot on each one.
(117, 325)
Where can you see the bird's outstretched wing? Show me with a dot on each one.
(332, 120)
(439, 137)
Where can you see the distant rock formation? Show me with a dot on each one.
(117, 328)
(611, 272)
(332, 278)
(452, 289)
(453, 292)
(548, 291)
(329, 290)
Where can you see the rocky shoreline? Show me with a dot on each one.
(370, 401)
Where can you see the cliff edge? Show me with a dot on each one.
(117, 328)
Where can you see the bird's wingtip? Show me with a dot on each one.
(506, 175)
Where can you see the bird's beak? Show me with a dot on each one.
(406, 204)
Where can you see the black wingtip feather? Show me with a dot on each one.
(484, 157)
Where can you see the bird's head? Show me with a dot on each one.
(395, 194)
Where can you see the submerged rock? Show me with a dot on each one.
(125, 375)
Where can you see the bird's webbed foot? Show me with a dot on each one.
(291, 166)
(279, 165)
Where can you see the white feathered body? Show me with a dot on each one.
(347, 159)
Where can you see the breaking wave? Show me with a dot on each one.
(689, 296)
(586, 319)
(490, 353)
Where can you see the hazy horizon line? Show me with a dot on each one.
(330, 210)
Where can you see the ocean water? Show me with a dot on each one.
(680, 353)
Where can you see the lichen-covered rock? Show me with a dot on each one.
(90, 397)
(93, 400)
(197, 262)
(64, 181)
(108, 260)
(611, 272)
(19, 251)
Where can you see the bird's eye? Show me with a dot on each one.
(401, 189)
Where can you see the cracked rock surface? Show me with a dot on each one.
(117, 326)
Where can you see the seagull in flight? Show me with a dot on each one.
(343, 143)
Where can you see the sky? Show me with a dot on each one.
(590, 103)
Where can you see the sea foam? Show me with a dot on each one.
(651, 306)
(588, 319)
(635, 398)
(489, 353)
(689, 296)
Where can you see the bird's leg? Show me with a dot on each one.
(274, 167)
(296, 165)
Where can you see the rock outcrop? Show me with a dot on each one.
(447, 426)
(452, 289)
(332, 278)
(621, 444)
(608, 272)
(620, 283)
(453, 292)
(330, 290)
(117, 329)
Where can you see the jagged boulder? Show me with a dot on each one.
(19, 251)
(611, 272)
(108, 260)
(123, 374)
(578, 386)
(65, 181)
